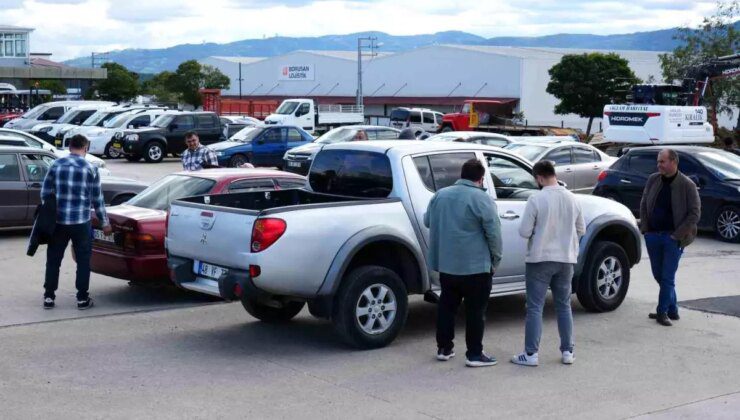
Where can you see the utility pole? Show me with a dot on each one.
(364, 44)
(240, 80)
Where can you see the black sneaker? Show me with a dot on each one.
(85, 304)
(672, 317)
(445, 355)
(48, 303)
(480, 361)
(663, 320)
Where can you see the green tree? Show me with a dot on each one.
(120, 85)
(585, 83)
(161, 86)
(56, 87)
(716, 37)
(213, 78)
(188, 78)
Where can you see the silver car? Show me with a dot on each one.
(577, 164)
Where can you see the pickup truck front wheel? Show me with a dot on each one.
(154, 152)
(605, 277)
(269, 314)
(370, 307)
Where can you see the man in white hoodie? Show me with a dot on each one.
(553, 223)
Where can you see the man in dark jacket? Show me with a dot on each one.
(669, 211)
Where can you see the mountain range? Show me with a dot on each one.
(156, 60)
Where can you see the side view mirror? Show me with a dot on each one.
(131, 126)
(173, 127)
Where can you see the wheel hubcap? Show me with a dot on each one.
(114, 152)
(376, 309)
(155, 152)
(728, 224)
(609, 278)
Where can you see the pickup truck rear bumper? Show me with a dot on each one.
(181, 273)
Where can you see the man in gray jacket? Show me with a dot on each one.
(553, 223)
(669, 211)
(465, 248)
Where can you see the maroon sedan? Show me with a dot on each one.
(135, 250)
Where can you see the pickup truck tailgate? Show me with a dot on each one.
(217, 235)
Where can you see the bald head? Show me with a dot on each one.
(668, 162)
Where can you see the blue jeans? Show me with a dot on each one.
(665, 254)
(557, 277)
(82, 245)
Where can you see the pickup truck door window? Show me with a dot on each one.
(250, 185)
(303, 114)
(563, 161)
(513, 184)
(209, 128)
(13, 191)
(287, 183)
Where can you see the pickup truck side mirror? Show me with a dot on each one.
(173, 127)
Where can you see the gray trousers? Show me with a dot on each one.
(541, 276)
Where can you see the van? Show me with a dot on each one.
(418, 119)
(48, 112)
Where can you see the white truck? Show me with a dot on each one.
(656, 124)
(353, 245)
(315, 119)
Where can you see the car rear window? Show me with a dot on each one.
(172, 187)
(399, 115)
(352, 173)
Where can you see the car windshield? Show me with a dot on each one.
(445, 137)
(68, 116)
(287, 108)
(35, 112)
(246, 134)
(724, 165)
(163, 121)
(118, 121)
(172, 187)
(528, 151)
(95, 118)
(337, 135)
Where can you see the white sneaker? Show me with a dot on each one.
(526, 360)
(568, 358)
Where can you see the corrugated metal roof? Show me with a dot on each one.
(243, 60)
(344, 55)
(538, 52)
(14, 28)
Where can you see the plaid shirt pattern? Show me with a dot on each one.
(194, 160)
(76, 185)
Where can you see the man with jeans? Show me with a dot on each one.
(465, 248)
(669, 211)
(553, 223)
(76, 185)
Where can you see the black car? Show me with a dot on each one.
(715, 172)
(22, 171)
(167, 135)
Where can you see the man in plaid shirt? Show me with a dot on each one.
(197, 157)
(76, 185)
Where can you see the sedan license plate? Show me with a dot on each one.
(58, 142)
(209, 270)
(294, 164)
(101, 236)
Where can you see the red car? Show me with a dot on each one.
(135, 251)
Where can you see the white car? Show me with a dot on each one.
(47, 112)
(30, 140)
(96, 120)
(101, 143)
(418, 119)
(75, 116)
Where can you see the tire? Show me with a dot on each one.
(237, 159)
(132, 158)
(111, 153)
(154, 152)
(597, 290)
(370, 280)
(120, 199)
(727, 224)
(447, 129)
(269, 314)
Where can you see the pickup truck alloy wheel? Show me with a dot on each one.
(154, 152)
(604, 281)
(376, 309)
(370, 307)
(112, 152)
(728, 224)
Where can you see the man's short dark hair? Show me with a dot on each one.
(190, 134)
(472, 170)
(78, 141)
(672, 155)
(544, 168)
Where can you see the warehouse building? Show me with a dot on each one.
(438, 77)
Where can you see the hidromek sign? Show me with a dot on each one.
(296, 72)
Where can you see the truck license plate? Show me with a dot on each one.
(100, 236)
(209, 270)
(117, 145)
(294, 164)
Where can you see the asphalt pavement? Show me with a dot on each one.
(163, 353)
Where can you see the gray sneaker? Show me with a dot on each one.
(480, 361)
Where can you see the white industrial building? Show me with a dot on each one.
(438, 77)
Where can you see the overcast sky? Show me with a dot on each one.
(73, 28)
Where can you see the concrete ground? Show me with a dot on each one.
(161, 353)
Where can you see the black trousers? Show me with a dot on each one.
(82, 245)
(475, 290)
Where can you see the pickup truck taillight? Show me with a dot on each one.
(266, 232)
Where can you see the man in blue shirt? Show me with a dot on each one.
(76, 185)
(465, 249)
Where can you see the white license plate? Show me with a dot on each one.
(100, 236)
(294, 164)
(209, 270)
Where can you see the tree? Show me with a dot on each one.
(120, 85)
(716, 37)
(161, 86)
(191, 76)
(585, 83)
(213, 78)
(54, 86)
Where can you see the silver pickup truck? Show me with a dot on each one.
(353, 246)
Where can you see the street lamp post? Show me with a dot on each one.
(366, 47)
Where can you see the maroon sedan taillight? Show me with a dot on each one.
(140, 242)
